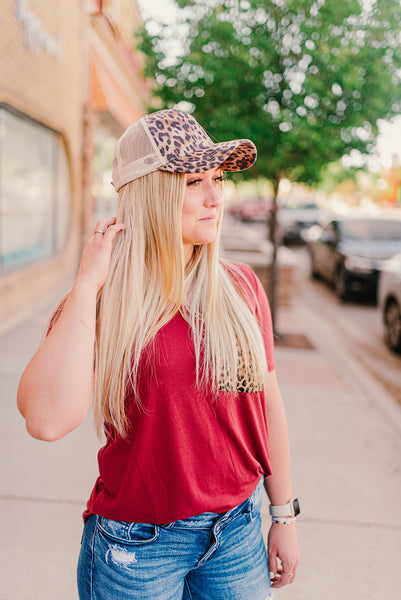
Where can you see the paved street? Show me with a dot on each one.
(346, 448)
(360, 322)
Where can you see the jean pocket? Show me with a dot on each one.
(255, 500)
(128, 533)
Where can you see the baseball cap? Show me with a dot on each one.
(172, 140)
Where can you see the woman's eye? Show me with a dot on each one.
(197, 182)
(193, 182)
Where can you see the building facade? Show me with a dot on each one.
(70, 82)
(117, 96)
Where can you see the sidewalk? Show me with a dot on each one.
(346, 460)
(346, 449)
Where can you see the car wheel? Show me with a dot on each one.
(341, 284)
(392, 326)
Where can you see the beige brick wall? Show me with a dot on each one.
(52, 91)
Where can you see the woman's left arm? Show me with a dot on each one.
(282, 540)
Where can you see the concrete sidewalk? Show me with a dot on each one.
(346, 459)
(346, 453)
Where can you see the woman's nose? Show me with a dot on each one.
(213, 195)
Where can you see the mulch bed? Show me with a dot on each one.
(293, 340)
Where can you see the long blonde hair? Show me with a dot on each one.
(148, 284)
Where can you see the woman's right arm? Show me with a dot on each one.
(56, 388)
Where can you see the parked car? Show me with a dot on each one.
(250, 210)
(390, 301)
(349, 252)
(295, 217)
(254, 210)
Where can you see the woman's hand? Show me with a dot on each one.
(95, 260)
(283, 552)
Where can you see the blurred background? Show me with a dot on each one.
(316, 84)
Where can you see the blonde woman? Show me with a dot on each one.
(176, 349)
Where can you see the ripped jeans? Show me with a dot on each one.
(211, 556)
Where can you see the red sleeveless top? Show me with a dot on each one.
(188, 452)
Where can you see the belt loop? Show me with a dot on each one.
(252, 499)
(252, 506)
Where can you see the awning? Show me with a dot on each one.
(106, 95)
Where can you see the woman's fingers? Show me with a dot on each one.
(95, 260)
(273, 567)
(104, 224)
(283, 575)
(113, 229)
(283, 554)
(107, 228)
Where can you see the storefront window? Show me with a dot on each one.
(105, 196)
(34, 191)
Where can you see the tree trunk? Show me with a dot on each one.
(273, 267)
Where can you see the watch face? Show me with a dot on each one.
(297, 510)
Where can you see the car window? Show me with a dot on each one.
(293, 205)
(371, 229)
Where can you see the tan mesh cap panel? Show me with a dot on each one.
(135, 155)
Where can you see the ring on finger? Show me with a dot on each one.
(99, 231)
(288, 574)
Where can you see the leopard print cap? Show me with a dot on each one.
(186, 147)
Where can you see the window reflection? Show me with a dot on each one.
(34, 191)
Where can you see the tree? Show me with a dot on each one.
(305, 80)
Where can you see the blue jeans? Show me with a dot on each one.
(207, 557)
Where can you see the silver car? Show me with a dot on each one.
(390, 301)
(296, 217)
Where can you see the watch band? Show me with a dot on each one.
(291, 509)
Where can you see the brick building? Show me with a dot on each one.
(70, 82)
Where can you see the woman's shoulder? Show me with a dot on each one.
(242, 274)
(249, 285)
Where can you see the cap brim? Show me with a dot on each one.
(236, 155)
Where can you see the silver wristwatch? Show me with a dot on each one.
(291, 509)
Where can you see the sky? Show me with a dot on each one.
(389, 142)
(389, 139)
(159, 8)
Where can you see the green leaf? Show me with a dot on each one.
(301, 79)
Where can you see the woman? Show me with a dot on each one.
(176, 349)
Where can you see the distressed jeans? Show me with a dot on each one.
(211, 556)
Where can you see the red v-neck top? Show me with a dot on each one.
(189, 452)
